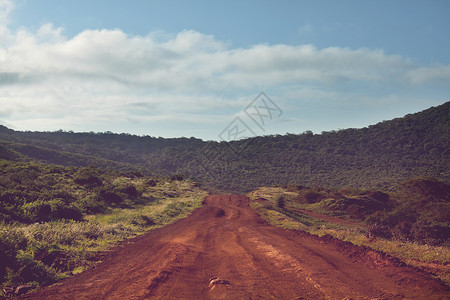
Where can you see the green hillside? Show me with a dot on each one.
(378, 156)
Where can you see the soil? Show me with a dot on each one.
(224, 250)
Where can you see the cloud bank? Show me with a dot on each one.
(50, 81)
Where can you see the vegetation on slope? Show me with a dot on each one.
(412, 224)
(379, 156)
(54, 220)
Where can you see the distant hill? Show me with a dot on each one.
(378, 156)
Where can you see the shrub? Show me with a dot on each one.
(62, 211)
(30, 269)
(313, 197)
(177, 177)
(127, 189)
(379, 230)
(44, 211)
(430, 232)
(88, 176)
(11, 241)
(110, 197)
(379, 196)
(281, 202)
(151, 182)
(426, 189)
(422, 214)
(91, 204)
(37, 211)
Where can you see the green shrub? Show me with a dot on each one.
(59, 210)
(378, 230)
(109, 197)
(422, 213)
(281, 202)
(127, 189)
(30, 269)
(430, 232)
(88, 176)
(11, 241)
(91, 204)
(426, 190)
(37, 211)
(44, 211)
(313, 197)
(151, 182)
(379, 196)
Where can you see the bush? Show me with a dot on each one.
(44, 211)
(177, 177)
(91, 204)
(127, 189)
(37, 211)
(62, 211)
(379, 230)
(30, 269)
(422, 214)
(110, 197)
(313, 197)
(151, 182)
(281, 202)
(379, 196)
(430, 232)
(88, 176)
(426, 190)
(11, 241)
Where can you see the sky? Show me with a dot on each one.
(219, 70)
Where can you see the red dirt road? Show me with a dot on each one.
(226, 251)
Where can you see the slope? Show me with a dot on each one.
(378, 156)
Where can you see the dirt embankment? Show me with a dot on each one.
(225, 251)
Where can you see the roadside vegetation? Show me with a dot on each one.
(55, 221)
(412, 224)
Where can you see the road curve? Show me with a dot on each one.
(226, 251)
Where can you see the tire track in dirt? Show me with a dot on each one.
(226, 251)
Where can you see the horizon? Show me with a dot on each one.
(196, 69)
(218, 140)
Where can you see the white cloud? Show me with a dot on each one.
(429, 74)
(6, 7)
(102, 75)
(190, 61)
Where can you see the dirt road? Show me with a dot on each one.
(225, 251)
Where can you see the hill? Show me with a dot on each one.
(378, 156)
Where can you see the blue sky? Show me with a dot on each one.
(189, 68)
